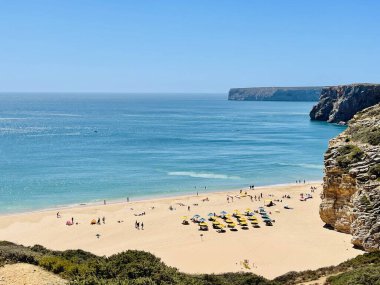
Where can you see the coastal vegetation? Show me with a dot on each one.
(349, 154)
(138, 267)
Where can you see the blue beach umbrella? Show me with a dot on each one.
(210, 214)
(223, 213)
(196, 216)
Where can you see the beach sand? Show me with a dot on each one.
(296, 241)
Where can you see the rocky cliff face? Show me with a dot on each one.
(351, 189)
(275, 94)
(340, 103)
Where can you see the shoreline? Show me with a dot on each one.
(148, 198)
(296, 241)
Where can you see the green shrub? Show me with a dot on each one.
(363, 276)
(375, 170)
(374, 137)
(349, 154)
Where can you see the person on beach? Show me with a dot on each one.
(127, 199)
(104, 220)
(142, 225)
(136, 224)
(58, 215)
(228, 199)
(188, 208)
(72, 220)
(98, 221)
(104, 202)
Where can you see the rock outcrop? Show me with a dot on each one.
(351, 188)
(339, 104)
(275, 94)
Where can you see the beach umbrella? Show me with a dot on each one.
(223, 213)
(232, 225)
(196, 216)
(210, 214)
(248, 210)
(202, 219)
(203, 224)
(229, 221)
(184, 217)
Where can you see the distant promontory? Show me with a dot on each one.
(275, 93)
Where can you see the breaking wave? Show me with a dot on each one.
(202, 175)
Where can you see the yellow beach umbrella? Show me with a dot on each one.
(184, 217)
(232, 225)
(203, 224)
(229, 221)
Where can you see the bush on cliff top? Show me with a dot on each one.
(349, 154)
(375, 170)
(369, 135)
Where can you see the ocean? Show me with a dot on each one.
(67, 149)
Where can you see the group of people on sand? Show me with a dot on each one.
(299, 181)
(312, 189)
(304, 197)
(139, 225)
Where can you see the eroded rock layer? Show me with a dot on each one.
(351, 189)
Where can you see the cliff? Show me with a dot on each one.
(339, 104)
(275, 94)
(351, 188)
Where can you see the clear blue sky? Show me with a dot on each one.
(186, 46)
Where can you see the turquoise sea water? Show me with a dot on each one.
(67, 149)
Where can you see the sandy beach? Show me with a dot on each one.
(296, 241)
